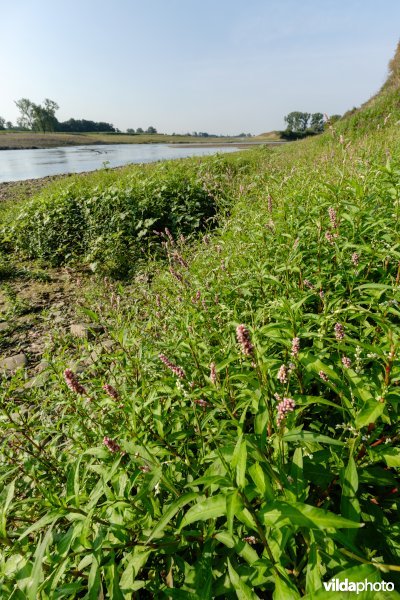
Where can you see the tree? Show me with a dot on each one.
(38, 117)
(130, 131)
(2, 123)
(139, 130)
(26, 119)
(44, 116)
(151, 130)
(9, 125)
(297, 121)
(317, 122)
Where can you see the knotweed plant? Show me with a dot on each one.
(242, 434)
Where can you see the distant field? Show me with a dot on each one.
(20, 140)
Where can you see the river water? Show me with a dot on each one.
(17, 165)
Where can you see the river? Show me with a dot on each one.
(17, 165)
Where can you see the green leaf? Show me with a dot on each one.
(9, 494)
(298, 435)
(242, 548)
(241, 465)
(297, 474)
(369, 413)
(203, 569)
(133, 564)
(313, 573)
(234, 504)
(211, 508)
(171, 512)
(284, 588)
(303, 515)
(243, 591)
(349, 505)
(261, 481)
(37, 569)
(51, 517)
(391, 456)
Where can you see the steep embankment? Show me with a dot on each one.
(237, 436)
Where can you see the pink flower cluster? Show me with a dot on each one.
(72, 382)
(110, 391)
(323, 376)
(111, 444)
(333, 217)
(282, 374)
(339, 331)
(243, 338)
(295, 346)
(213, 373)
(346, 362)
(286, 406)
(178, 371)
(308, 284)
(355, 259)
(202, 403)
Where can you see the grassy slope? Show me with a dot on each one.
(143, 519)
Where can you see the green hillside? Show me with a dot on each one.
(231, 429)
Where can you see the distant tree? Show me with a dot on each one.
(130, 131)
(38, 117)
(9, 125)
(334, 118)
(2, 123)
(26, 118)
(44, 116)
(85, 126)
(139, 130)
(317, 122)
(297, 121)
(151, 130)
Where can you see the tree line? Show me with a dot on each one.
(42, 118)
(301, 124)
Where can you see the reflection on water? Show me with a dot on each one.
(16, 165)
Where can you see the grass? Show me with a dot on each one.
(239, 436)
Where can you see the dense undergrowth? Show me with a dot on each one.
(109, 220)
(240, 438)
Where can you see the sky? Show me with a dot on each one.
(220, 66)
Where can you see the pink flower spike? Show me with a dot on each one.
(282, 374)
(286, 406)
(178, 371)
(295, 346)
(111, 445)
(213, 373)
(72, 382)
(110, 391)
(339, 331)
(243, 338)
(346, 362)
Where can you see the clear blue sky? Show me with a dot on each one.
(222, 66)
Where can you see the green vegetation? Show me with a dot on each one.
(108, 219)
(239, 437)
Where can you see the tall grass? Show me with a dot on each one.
(240, 436)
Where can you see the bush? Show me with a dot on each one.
(109, 226)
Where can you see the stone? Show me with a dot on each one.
(4, 326)
(13, 363)
(85, 330)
